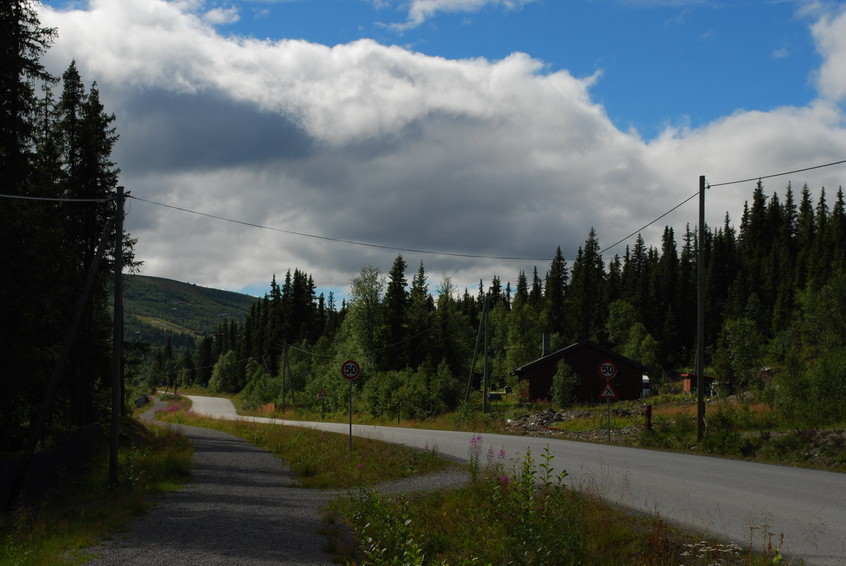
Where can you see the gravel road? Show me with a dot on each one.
(241, 507)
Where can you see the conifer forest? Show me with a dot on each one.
(775, 293)
(775, 297)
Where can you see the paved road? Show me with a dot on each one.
(739, 501)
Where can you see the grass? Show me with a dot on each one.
(322, 459)
(737, 427)
(512, 514)
(87, 509)
(507, 514)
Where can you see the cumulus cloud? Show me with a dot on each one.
(421, 10)
(830, 35)
(219, 16)
(331, 147)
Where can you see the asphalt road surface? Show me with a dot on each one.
(803, 512)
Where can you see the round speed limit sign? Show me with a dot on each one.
(350, 369)
(607, 369)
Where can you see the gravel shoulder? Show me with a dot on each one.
(241, 507)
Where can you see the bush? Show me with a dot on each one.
(261, 388)
(517, 516)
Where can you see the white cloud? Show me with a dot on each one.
(422, 10)
(221, 16)
(379, 144)
(830, 35)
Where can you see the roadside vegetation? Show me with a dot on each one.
(322, 459)
(86, 508)
(507, 513)
(743, 426)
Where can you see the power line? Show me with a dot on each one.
(647, 225)
(694, 195)
(338, 240)
(779, 174)
(416, 250)
(53, 199)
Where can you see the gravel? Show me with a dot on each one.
(240, 507)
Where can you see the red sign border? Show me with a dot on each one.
(609, 377)
(357, 373)
(608, 385)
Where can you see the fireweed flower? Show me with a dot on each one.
(475, 452)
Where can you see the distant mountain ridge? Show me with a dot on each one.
(156, 308)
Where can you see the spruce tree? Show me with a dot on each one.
(395, 318)
(421, 311)
(557, 278)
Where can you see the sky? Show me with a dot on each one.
(474, 136)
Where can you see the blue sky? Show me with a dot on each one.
(660, 62)
(475, 136)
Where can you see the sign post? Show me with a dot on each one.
(350, 370)
(608, 391)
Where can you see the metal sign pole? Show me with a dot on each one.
(350, 370)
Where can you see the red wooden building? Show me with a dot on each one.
(596, 368)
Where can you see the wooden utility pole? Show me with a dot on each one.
(485, 408)
(700, 318)
(283, 371)
(117, 342)
(476, 350)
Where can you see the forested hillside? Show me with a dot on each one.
(775, 312)
(157, 310)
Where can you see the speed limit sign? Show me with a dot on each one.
(350, 369)
(607, 369)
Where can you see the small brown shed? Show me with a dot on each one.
(600, 373)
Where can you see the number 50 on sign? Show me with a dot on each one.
(350, 369)
(607, 369)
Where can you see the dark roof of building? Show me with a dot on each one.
(573, 347)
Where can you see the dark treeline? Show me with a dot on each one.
(774, 301)
(55, 144)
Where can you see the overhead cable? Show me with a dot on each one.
(709, 186)
(53, 199)
(778, 174)
(621, 240)
(338, 240)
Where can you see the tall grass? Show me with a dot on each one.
(512, 511)
(323, 459)
(87, 508)
(519, 512)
